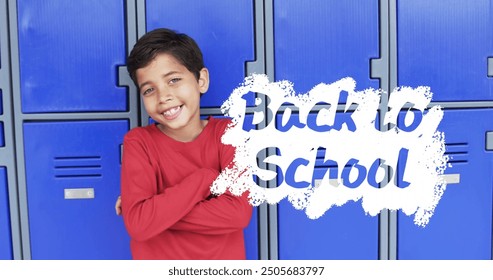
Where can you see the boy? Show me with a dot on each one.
(168, 167)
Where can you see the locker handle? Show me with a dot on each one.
(490, 66)
(451, 178)
(489, 141)
(123, 76)
(121, 153)
(80, 193)
(332, 182)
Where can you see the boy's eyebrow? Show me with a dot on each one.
(164, 76)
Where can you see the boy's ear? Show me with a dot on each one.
(204, 80)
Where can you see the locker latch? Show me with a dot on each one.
(489, 141)
(86, 193)
(490, 66)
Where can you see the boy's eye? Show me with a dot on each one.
(147, 91)
(174, 80)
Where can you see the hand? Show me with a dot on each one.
(118, 206)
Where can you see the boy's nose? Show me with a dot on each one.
(165, 96)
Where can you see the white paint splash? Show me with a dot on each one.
(350, 139)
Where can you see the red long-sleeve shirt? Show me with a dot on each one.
(166, 202)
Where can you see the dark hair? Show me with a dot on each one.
(162, 40)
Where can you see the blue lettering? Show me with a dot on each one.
(372, 173)
(290, 173)
(401, 167)
(353, 163)
(259, 109)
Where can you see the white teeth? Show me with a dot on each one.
(171, 111)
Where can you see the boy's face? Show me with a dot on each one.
(171, 94)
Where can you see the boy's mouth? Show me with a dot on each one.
(172, 112)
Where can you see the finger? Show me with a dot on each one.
(118, 208)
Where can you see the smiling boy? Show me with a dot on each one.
(168, 167)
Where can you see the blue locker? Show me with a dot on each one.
(445, 46)
(324, 41)
(73, 180)
(5, 231)
(222, 29)
(69, 52)
(341, 233)
(461, 227)
(251, 237)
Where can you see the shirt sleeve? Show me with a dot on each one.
(222, 214)
(147, 213)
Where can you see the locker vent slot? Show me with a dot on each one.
(77, 167)
(457, 152)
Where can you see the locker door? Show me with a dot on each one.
(341, 233)
(69, 52)
(461, 227)
(445, 46)
(73, 179)
(325, 41)
(222, 29)
(251, 237)
(5, 232)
